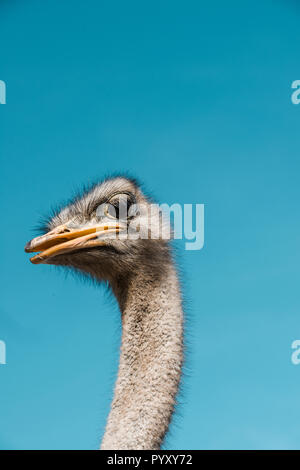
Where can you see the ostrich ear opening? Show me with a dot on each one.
(63, 240)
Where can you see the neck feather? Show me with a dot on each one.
(150, 361)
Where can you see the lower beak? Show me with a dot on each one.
(63, 240)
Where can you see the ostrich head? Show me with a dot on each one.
(109, 231)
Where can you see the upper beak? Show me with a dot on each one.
(63, 240)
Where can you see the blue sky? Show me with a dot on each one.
(193, 98)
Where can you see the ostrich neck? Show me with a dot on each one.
(150, 361)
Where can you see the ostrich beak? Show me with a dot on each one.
(63, 240)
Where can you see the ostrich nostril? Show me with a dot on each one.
(60, 229)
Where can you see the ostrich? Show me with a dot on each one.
(99, 234)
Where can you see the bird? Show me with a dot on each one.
(112, 232)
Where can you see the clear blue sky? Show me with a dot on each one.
(194, 99)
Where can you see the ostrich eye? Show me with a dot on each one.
(118, 206)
